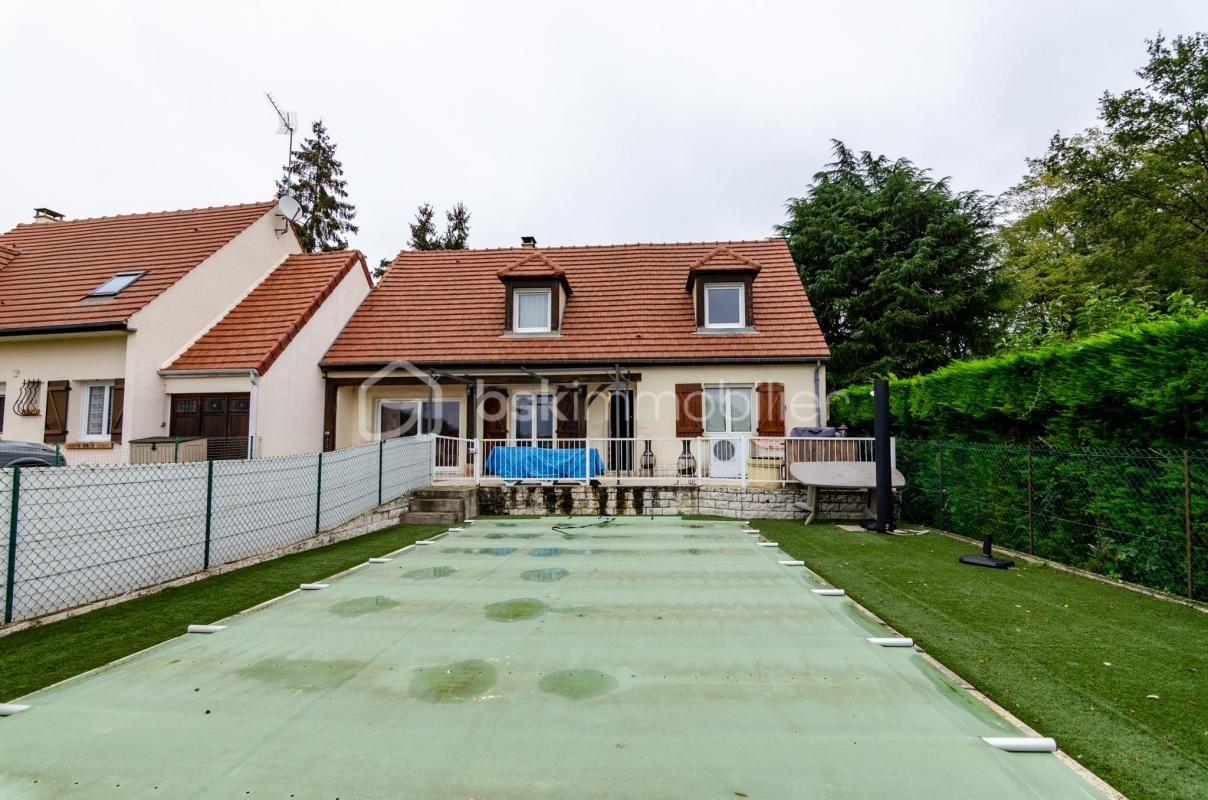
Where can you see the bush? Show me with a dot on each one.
(1145, 386)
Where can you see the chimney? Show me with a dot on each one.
(528, 241)
(47, 215)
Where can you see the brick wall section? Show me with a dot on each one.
(737, 503)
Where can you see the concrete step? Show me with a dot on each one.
(444, 493)
(456, 504)
(431, 517)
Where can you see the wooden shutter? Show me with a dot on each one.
(572, 422)
(55, 431)
(116, 401)
(689, 417)
(771, 409)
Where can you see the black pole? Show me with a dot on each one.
(881, 450)
(881, 454)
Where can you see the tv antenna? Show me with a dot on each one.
(289, 124)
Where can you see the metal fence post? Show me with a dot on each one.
(381, 463)
(209, 510)
(1186, 518)
(176, 450)
(1031, 542)
(12, 547)
(319, 495)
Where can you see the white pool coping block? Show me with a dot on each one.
(789, 563)
(1022, 744)
(8, 709)
(829, 592)
(892, 641)
(769, 544)
(311, 587)
(205, 628)
(456, 530)
(380, 560)
(425, 541)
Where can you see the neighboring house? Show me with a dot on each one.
(660, 342)
(197, 323)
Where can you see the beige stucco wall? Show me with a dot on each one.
(164, 327)
(74, 358)
(289, 403)
(655, 398)
(656, 392)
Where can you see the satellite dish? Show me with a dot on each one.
(289, 208)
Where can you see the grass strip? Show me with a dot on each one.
(1120, 679)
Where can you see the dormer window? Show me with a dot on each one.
(722, 285)
(536, 292)
(116, 284)
(532, 310)
(724, 305)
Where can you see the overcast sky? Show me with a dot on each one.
(577, 123)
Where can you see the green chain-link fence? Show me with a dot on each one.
(74, 535)
(1136, 515)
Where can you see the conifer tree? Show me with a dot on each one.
(457, 229)
(315, 179)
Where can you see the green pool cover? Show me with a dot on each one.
(517, 659)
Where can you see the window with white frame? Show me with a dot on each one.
(534, 417)
(97, 410)
(728, 409)
(400, 418)
(531, 308)
(725, 305)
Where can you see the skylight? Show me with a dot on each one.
(115, 284)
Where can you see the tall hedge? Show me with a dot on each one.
(1142, 387)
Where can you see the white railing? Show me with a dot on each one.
(736, 460)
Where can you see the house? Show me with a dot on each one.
(205, 325)
(646, 353)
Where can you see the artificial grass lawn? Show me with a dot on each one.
(40, 656)
(1074, 658)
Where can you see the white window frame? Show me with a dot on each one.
(421, 410)
(727, 392)
(533, 437)
(549, 310)
(85, 400)
(742, 305)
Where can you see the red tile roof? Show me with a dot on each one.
(257, 330)
(629, 305)
(723, 259)
(59, 263)
(534, 265)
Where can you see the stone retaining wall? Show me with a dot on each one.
(735, 502)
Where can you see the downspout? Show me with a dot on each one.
(817, 393)
(253, 406)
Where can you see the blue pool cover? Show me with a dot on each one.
(542, 463)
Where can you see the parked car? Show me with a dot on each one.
(29, 454)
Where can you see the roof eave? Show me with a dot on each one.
(570, 363)
(74, 327)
